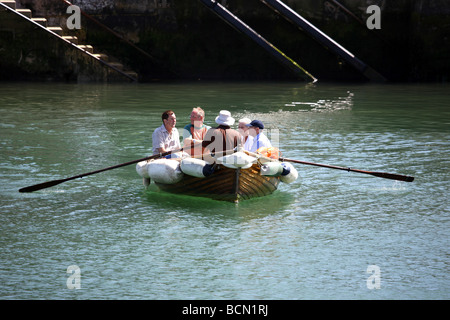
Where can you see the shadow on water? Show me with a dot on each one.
(255, 208)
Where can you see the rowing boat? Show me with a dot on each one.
(240, 177)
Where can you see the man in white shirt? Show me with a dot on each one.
(166, 138)
(259, 138)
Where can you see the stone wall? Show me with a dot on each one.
(183, 39)
(29, 51)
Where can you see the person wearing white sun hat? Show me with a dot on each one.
(223, 138)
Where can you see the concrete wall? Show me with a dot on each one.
(186, 40)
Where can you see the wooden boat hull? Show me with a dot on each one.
(226, 184)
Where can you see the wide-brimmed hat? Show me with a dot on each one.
(256, 123)
(225, 118)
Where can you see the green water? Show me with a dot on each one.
(313, 239)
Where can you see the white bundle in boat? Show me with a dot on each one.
(165, 171)
(141, 169)
(284, 170)
(289, 174)
(196, 167)
(272, 169)
(237, 160)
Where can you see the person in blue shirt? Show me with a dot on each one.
(259, 140)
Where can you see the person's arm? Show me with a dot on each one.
(160, 150)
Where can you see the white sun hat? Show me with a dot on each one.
(224, 118)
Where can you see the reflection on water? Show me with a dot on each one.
(341, 103)
(313, 239)
(249, 209)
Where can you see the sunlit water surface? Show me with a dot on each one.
(313, 239)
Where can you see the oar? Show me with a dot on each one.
(385, 175)
(52, 183)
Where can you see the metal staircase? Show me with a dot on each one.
(57, 33)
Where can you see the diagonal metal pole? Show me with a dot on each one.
(324, 39)
(238, 24)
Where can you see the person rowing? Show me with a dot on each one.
(166, 137)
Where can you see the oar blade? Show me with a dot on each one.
(41, 186)
(392, 176)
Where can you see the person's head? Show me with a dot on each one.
(197, 117)
(255, 127)
(169, 119)
(242, 126)
(224, 118)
